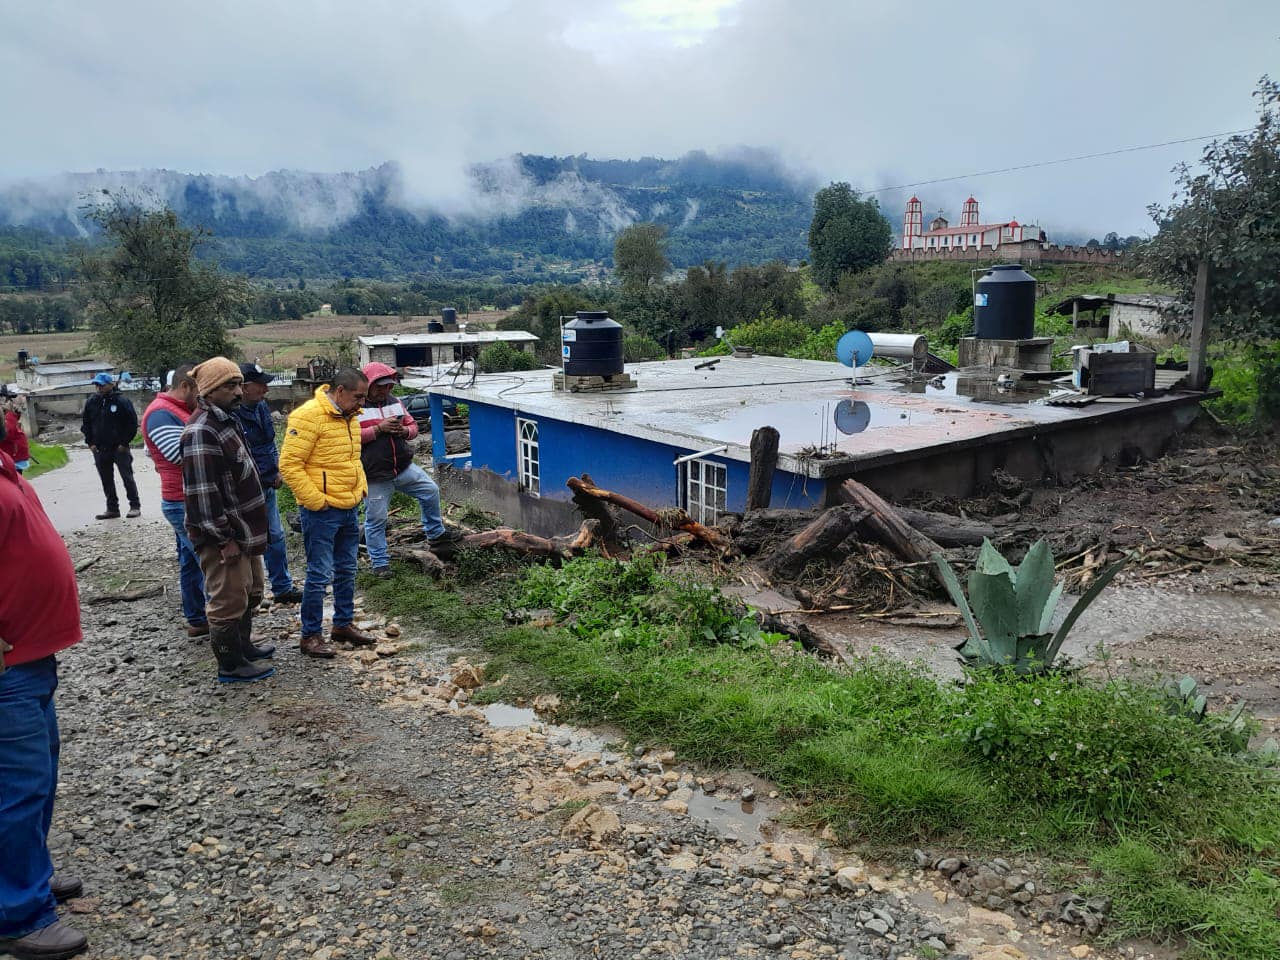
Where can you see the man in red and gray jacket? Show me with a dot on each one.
(34, 626)
(385, 431)
(162, 426)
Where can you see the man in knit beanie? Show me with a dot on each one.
(226, 519)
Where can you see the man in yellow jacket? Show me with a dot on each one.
(320, 461)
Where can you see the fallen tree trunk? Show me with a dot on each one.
(431, 565)
(669, 519)
(946, 530)
(560, 548)
(595, 509)
(884, 524)
(818, 540)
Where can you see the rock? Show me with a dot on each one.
(949, 866)
(922, 859)
(849, 878)
(593, 821)
(386, 649)
(991, 918)
(392, 630)
(465, 675)
(1081, 951)
(877, 926)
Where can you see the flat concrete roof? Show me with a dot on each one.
(447, 338)
(828, 426)
(70, 366)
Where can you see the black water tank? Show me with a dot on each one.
(1004, 304)
(592, 345)
(449, 316)
(435, 326)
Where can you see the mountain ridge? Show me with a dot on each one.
(525, 217)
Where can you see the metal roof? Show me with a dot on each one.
(447, 338)
(71, 366)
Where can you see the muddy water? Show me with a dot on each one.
(72, 495)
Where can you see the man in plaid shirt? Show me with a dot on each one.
(226, 520)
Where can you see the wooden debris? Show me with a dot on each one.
(946, 530)
(817, 540)
(764, 460)
(886, 525)
(128, 596)
(674, 520)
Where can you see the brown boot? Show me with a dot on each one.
(198, 631)
(314, 646)
(349, 634)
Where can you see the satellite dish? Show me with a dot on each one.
(854, 349)
(852, 416)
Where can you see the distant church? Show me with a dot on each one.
(969, 235)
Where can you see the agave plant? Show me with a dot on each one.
(1009, 611)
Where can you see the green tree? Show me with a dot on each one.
(770, 336)
(640, 255)
(1227, 216)
(847, 234)
(707, 302)
(151, 302)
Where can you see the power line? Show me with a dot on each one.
(1049, 163)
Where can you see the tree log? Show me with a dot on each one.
(431, 565)
(884, 524)
(946, 530)
(595, 509)
(818, 540)
(764, 460)
(760, 527)
(561, 548)
(674, 520)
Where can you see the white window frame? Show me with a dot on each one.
(528, 466)
(698, 479)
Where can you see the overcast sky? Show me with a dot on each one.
(876, 92)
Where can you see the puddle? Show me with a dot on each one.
(503, 716)
(982, 387)
(814, 423)
(729, 817)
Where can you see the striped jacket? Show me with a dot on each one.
(162, 425)
(224, 500)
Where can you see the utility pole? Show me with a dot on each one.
(1199, 341)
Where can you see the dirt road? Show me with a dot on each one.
(358, 808)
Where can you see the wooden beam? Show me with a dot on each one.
(1198, 344)
(764, 460)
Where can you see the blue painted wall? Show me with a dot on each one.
(638, 468)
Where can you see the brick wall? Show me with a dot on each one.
(1028, 251)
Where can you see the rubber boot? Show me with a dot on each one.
(251, 650)
(224, 637)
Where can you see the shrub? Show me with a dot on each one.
(501, 357)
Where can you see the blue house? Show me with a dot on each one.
(681, 437)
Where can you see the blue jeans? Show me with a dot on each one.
(276, 558)
(416, 484)
(29, 747)
(190, 579)
(331, 538)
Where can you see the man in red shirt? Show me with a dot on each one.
(34, 626)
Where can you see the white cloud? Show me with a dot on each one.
(871, 91)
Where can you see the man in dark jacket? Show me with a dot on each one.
(226, 518)
(109, 425)
(260, 433)
(385, 431)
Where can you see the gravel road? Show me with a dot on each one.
(358, 808)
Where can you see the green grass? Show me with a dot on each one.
(45, 457)
(1134, 799)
